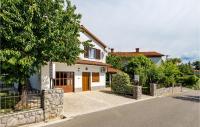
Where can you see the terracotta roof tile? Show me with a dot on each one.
(112, 70)
(131, 54)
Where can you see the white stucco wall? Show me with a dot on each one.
(77, 69)
(157, 60)
(35, 81)
(85, 37)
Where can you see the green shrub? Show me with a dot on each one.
(121, 83)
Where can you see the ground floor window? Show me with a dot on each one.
(95, 76)
(64, 78)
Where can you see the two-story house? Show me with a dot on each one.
(88, 73)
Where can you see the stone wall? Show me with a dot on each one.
(21, 118)
(154, 91)
(168, 91)
(137, 92)
(52, 103)
(52, 107)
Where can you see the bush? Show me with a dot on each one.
(121, 83)
(189, 80)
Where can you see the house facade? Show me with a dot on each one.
(156, 57)
(88, 73)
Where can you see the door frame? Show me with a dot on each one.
(89, 81)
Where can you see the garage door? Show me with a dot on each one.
(65, 80)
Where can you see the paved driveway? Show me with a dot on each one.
(177, 111)
(91, 101)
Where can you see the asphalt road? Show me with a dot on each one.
(177, 111)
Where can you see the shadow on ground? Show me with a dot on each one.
(189, 98)
(110, 92)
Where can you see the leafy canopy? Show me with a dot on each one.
(34, 32)
(115, 61)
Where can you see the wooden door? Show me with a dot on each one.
(85, 81)
(65, 80)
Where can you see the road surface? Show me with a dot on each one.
(176, 111)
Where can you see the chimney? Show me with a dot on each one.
(112, 49)
(137, 49)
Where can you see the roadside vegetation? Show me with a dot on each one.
(170, 73)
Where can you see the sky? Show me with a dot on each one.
(171, 27)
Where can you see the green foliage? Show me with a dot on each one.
(139, 66)
(174, 60)
(185, 69)
(189, 80)
(196, 65)
(35, 32)
(155, 74)
(115, 61)
(170, 73)
(121, 83)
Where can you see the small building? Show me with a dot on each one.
(154, 56)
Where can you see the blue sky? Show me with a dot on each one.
(171, 27)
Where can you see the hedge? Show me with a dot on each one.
(121, 84)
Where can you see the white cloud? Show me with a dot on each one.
(168, 26)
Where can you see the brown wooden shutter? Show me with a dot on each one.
(86, 53)
(95, 76)
(98, 54)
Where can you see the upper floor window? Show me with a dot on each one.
(92, 53)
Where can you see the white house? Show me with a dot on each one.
(88, 73)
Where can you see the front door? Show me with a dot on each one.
(85, 81)
(65, 80)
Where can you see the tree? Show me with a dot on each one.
(185, 69)
(196, 65)
(171, 73)
(139, 65)
(34, 32)
(174, 60)
(115, 61)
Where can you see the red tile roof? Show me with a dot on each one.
(112, 70)
(88, 62)
(131, 54)
(93, 36)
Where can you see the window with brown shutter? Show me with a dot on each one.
(95, 76)
(98, 54)
(86, 53)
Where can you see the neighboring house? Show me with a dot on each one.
(88, 73)
(154, 56)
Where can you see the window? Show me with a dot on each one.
(64, 78)
(92, 53)
(95, 76)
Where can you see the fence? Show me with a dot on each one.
(146, 90)
(14, 102)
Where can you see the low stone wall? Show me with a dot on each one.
(52, 107)
(168, 91)
(21, 118)
(164, 91)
